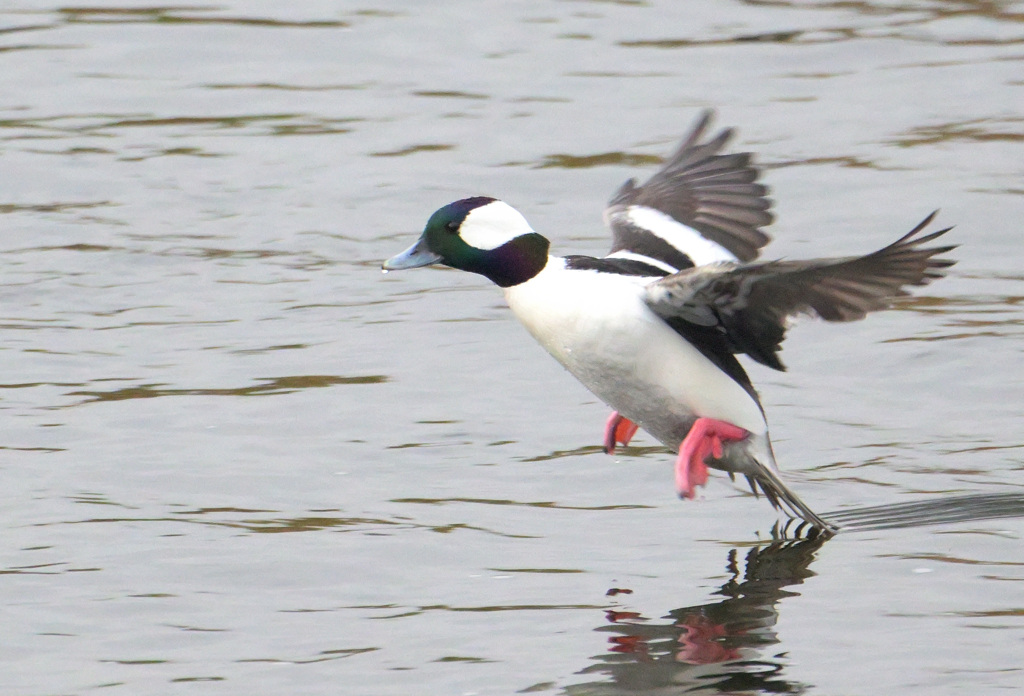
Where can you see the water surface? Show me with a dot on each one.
(235, 453)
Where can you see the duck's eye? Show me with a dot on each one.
(452, 227)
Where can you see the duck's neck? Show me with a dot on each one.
(516, 261)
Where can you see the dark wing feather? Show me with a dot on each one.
(750, 304)
(715, 194)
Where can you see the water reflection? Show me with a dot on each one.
(725, 646)
(722, 646)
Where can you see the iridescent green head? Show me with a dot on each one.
(481, 235)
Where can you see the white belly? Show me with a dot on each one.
(598, 326)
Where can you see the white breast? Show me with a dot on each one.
(598, 326)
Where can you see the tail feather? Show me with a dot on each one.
(781, 498)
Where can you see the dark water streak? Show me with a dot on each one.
(947, 510)
(269, 385)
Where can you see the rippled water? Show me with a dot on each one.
(233, 452)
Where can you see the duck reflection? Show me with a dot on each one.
(719, 647)
(726, 646)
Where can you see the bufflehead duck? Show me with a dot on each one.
(654, 327)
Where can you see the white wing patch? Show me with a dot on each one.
(623, 254)
(491, 225)
(699, 248)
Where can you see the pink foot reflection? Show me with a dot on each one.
(700, 642)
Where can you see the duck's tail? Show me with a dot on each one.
(753, 457)
(778, 494)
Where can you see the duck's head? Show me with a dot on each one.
(481, 235)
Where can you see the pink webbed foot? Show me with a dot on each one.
(618, 430)
(704, 439)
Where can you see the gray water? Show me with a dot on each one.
(236, 459)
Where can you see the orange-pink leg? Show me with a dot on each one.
(618, 430)
(704, 439)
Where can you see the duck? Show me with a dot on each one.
(653, 328)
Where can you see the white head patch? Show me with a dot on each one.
(491, 225)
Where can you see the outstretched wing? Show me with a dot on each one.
(747, 306)
(701, 207)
